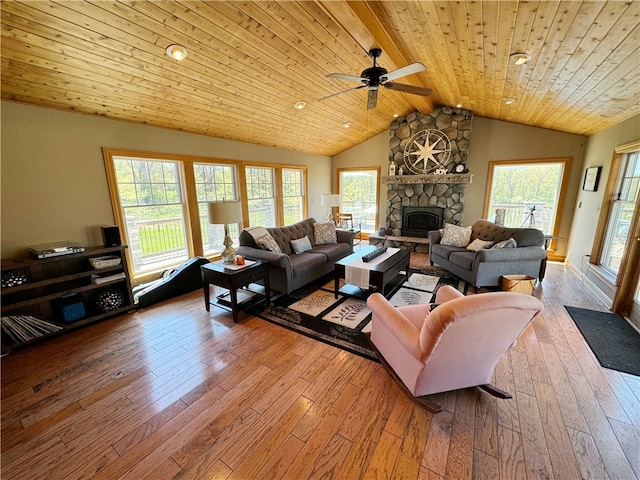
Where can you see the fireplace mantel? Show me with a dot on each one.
(447, 178)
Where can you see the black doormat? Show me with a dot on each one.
(344, 322)
(614, 342)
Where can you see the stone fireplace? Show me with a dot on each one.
(442, 192)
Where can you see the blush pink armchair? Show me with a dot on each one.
(455, 345)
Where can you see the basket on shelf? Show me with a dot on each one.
(105, 261)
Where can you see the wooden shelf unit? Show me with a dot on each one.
(50, 279)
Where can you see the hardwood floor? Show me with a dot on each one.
(177, 392)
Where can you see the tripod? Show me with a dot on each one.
(530, 217)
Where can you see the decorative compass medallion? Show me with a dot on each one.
(428, 151)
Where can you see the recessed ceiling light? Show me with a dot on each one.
(459, 105)
(395, 115)
(300, 105)
(346, 124)
(520, 58)
(177, 52)
(508, 100)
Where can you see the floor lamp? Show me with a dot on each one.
(330, 200)
(225, 213)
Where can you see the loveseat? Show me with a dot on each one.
(522, 255)
(288, 270)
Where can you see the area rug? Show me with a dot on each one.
(344, 322)
(613, 341)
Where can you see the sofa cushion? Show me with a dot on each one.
(301, 245)
(445, 251)
(267, 242)
(325, 233)
(463, 259)
(333, 251)
(301, 264)
(455, 235)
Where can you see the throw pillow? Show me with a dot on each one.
(324, 233)
(510, 243)
(478, 244)
(301, 245)
(455, 235)
(267, 242)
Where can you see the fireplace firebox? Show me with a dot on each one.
(418, 221)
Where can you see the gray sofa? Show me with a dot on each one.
(485, 267)
(289, 271)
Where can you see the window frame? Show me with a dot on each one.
(190, 199)
(626, 282)
(564, 185)
(364, 234)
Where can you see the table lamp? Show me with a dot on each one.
(225, 213)
(330, 200)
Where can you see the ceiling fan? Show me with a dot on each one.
(376, 76)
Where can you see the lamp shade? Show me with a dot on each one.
(223, 213)
(329, 200)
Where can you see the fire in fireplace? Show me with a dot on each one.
(418, 221)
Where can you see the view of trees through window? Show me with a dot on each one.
(160, 204)
(525, 194)
(359, 196)
(214, 183)
(622, 211)
(151, 199)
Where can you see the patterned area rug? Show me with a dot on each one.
(344, 321)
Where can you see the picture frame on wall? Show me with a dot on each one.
(591, 179)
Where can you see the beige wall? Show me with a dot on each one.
(599, 152)
(54, 185)
(490, 140)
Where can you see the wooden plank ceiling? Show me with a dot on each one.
(249, 62)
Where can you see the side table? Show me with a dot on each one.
(233, 277)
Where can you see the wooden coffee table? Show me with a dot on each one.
(382, 275)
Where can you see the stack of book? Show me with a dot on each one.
(22, 328)
(99, 280)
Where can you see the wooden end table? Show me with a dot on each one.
(215, 273)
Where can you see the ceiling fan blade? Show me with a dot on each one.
(403, 72)
(372, 99)
(343, 76)
(340, 93)
(401, 87)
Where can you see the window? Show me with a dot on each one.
(261, 196)
(525, 193)
(151, 199)
(292, 195)
(621, 212)
(160, 203)
(359, 196)
(214, 183)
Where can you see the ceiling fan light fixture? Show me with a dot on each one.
(177, 52)
(300, 105)
(520, 58)
(508, 100)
